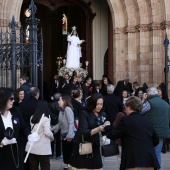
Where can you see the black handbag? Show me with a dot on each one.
(9, 132)
(111, 149)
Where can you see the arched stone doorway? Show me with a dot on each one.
(96, 28)
(139, 29)
(138, 33)
(50, 14)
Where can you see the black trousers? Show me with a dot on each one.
(22, 144)
(67, 148)
(57, 141)
(35, 160)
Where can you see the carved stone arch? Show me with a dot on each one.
(119, 20)
(144, 11)
(9, 9)
(158, 10)
(166, 7)
(89, 15)
(118, 11)
(144, 29)
(132, 12)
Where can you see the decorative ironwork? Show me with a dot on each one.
(20, 57)
(166, 69)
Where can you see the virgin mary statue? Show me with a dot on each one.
(73, 50)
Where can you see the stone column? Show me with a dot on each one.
(120, 46)
(132, 57)
(158, 54)
(145, 55)
(145, 58)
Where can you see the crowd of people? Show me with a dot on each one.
(136, 117)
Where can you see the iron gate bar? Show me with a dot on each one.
(17, 54)
(13, 26)
(33, 22)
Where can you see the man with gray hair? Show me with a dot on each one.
(159, 114)
(113, 104)
(54, 113)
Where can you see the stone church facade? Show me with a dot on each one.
(134, 31)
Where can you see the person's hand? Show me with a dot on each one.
(6, 141)
(68, 139)
(101, 128)
(32, 138)
(106, 123)
(52, 129)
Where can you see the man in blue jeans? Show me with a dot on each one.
(159, 114)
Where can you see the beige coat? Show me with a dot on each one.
(43, 145)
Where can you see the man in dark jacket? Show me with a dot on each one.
(64, 84)
(159, 114)
(137, 138)
(54, 113)
(27, 109)
(25, 85)
(113, 104)
(123, 85)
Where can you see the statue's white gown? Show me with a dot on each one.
(73, 51)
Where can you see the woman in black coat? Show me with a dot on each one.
(9, 144)
(77, 102)
(90, 125)
(137, 136)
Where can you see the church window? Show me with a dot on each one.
(64, 25)
(27, 32)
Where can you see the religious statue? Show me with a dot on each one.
(73, 49)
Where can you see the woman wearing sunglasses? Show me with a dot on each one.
(12, 128)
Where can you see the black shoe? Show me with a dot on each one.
(163, 150)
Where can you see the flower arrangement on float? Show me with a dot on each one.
(79, 71)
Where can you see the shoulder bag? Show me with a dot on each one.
(111, 149)
(85, 148)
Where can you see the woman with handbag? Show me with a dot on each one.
(12, 128)
(90, 125)
(138, 138)
(66, 124)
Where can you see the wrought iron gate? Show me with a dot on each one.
(20, 57)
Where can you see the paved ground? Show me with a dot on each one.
(110, 163)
